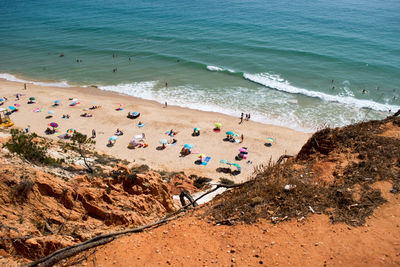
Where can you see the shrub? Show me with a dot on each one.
(226, 181)
(22, 189)
(29, 146)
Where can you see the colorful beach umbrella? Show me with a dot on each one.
(53, 124)
(56, 101)
(218, 125)
(113, 138)
(70, 131)
(202, 156)
(163, 141)
(17, 105)
(196, 129)
(2, 99)
(32, 98)
(12, 108)
(190, 146)
(270, 140)
(242, 149)
(229, 132)
(235, 135)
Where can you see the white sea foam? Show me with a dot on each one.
(12, 78)
(277, 83)
(137, 89)
(214, 68)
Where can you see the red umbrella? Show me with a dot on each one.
(53, 124)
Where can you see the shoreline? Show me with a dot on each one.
(158, 120)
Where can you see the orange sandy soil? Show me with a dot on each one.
(192, 241)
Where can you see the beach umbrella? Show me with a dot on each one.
(242, 149)
(50, 112)
(12, 108)
(56, 101)
(218, 125)
(113, 138)
(74, 99)
(202, 156)
(229, 132)
(133, 142)
(53, 124)
(17, 105)
(32, 98)
(36, 110)
(2, 99)
(270, 140)
(235, 135)
(163, 141)
(237, 166)
(196, 129)
(69, 131)
(190, 146)
(139, 136)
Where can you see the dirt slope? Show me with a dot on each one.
(192, 241)
(335, 204)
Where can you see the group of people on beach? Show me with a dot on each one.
(242, 118)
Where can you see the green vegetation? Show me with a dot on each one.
(83, 143)
(226, 181)
(30, 146)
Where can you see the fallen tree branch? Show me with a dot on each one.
(70, 251)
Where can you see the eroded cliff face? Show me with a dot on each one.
(41, 213)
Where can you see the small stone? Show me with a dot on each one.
(272, 243)
(316, 244)
(232, 251)
(233, 260)
(261, 262)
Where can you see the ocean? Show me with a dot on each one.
(300, 64)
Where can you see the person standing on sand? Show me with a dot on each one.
(241, 138)
(93, 133)
(166, 104)
(24, 86)
(241, 118)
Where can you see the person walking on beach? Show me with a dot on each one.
(166, 104)
(166, 84)
(241, 138)
(24, 86)
(241, 118)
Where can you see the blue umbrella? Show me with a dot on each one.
(190, 146)
(11, 108)
(163, 141)
(2, 99)
(113, 138)
(57, 101)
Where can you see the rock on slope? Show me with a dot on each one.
(41, 213)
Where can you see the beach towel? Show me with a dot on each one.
(205, 161)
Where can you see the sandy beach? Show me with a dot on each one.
(157, 119)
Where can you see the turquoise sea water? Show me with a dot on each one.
(274, 59)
